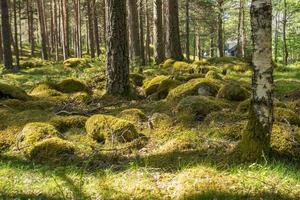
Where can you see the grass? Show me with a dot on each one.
(178, 160)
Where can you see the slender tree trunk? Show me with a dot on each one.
(95, 28)
(284, 24)
(148, 52)
(141, 28)
(56, 35)
(212, 44)
(220, 28)
(16, 44)
(199, 50)
(158, 34)
(256, 138)
(91, 28)
(173, 46)
(1, 48)
(187, 29)
(276, 37)
(133, 30)
(241, 30)
(42, 30)
(6, 37)
(117, 62)
(30, 26)
(20, 27)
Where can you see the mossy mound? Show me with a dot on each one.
(180, 66)
(71, 86)
(76, 63)
(34, 62)
(295, 105)
(133, 115)
(201, 86)
(197, 107)
(110, 129)
(27, 105)
(35, 132)
(188, 77)
(164, 88)
(137, 79)
(213, 75)
(161, 121)
(168, 63)
(151, 86)
(7, 138)
(285, 141)
(245, 105)
(63, 123)
(224, 117)
(201, 62)
(45, 90)
(293, 95)
(12, 92)
(52, 150)
(233, 92)
(285, 115)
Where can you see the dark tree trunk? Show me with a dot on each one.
(187, 29)
(6, 37)
(241, 31)
(148, 52)
(30, 26)
(91, 28)
(16, 44)
(256, 138)
(284, 25)
(141, 28)
(117, 61)
(220, 28)
(42, 30)
(158, 34)
(276, 38)
(95, 28)
(173, 46)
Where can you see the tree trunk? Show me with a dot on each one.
(65, 28)
(42, 30)
(241, 31)
(20, 27)
(187, 29)
(30, 26)
(16, 44)
(133, 30)
(220, 28)
(95, 28)
(256, 138)
(148, 52)
(56, 35)
(173, 46)
(6, 37)
(117, 62)
(141, 28)
(284, 24)
(212, 44)
(276, 38)
(158, 34)
(91, 28)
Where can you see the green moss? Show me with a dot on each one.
(180, 66)
(164, 89)
(213, 75)
(110, 129)
(224, 117)
(168, 63)
(233, 92)
(133, 115)
(188, 77)
(201, 62)
(71, 86)
(245, 105)
(295, 105)
(152, 85)
(12, 92)
(161, 121)
(97, 82)
(27, 105)
(286, 116)
(201, 86)
(197, 107)
(45, 90)
(52, 150)
(285, 140)
(76, 63)
(137, 79)
(63, 123)
(35, 132)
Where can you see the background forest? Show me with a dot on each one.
(149, 99)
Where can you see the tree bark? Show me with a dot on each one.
(117, 61)
(133, 30)
(241, 30)
(158, 34)
(173, 46)
(187, 29)
(256, 138)
(141, 28)
(42, 30)
(220, 28)
(16, 44)
(30, 26)
(148, 52)
(91, 28)
(284, 24)
(95, 28)
(276, 37)
(6, 37)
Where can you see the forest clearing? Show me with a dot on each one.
(172, 108)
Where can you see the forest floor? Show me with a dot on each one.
(189, 126)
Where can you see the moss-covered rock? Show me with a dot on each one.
(35, 132)
(161, 121)
(45, 90)
(164, 89)
(133, 115)
(245, 105)
(76, 63)
(27, 105)
(168, 63)
(285, 115)
(224, 117)
(233, 92)
(285, 140)
(213, 75)
(137, 79)
(295, 105)
(152, 85)
(180, 66)
(52, 150)
(108, 128)
(197, 107)
(188, 77)
(201, 86)
(12, 92)
(63, 123)
(71, 86)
